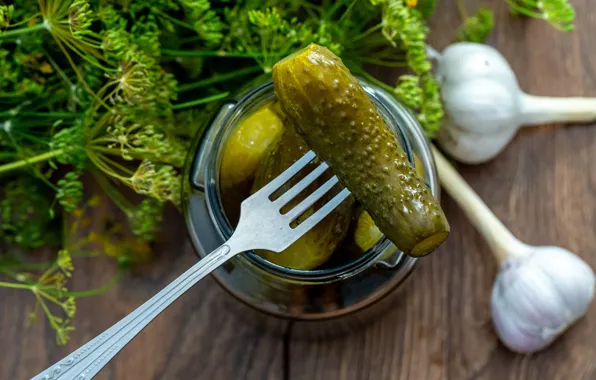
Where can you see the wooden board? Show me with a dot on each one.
(195, 338)
(541, 186)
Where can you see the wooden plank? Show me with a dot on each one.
(541, 186)
(197, 337)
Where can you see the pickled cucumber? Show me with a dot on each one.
(247, 145)
(419, 166)
(366, 234)
(339, 121)
(317, 245)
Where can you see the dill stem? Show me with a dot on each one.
(348, 10)
(197, 102)
(308, 5)
(380, 62)
(213, 53)
(333, 9)
(32, 160)
(524, 11)
(115, 195)
(377, 82)
(103, 149)
(40, 114)
(219, 78)
(19, 31)
(79, 75)
(173, 19)
(14, 286)
(369, 31)
(117, 152)
(93, 292)
(12, 94)
(45, 309)
(49, 297)
(26, 20)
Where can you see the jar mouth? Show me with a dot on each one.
(248, 104)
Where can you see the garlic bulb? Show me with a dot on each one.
(485, 106)
(536, 297)
(539, 291)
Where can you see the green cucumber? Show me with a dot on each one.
(339, 121)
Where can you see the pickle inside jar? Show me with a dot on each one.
(249, 145)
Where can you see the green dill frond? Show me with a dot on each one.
(83, 96)
(9, 73)
(409, 92)
(69, 23)
(422, 95)
(6, 15)
(431, 109)
(476, 28)
(70, 191)
(80, 18)
(25, 220)
(144, 35)
(132, 83)
(325, 35)
(15, 83)
(69, 143)
(559, 13)
(145, 219)
(404, 27)
(190, 15)
(51, 295)
(64, 262)
(139, 81)
(70, 307)
(426, 7)
(204, 20)
(159, 181)
(272, 36)
(111, 18)
(135, 139)
(63, 330)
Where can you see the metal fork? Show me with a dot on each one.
(261, 226)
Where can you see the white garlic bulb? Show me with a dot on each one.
(485, 106)
(539, 291)
(538, 295)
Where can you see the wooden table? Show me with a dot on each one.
(542, 187)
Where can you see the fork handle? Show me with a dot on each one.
(89, 359)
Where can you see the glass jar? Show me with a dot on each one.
(317, 302)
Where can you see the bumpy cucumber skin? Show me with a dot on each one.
(318, 244)
(341, 124)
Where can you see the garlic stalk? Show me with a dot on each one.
(485, 105)
(539, 291)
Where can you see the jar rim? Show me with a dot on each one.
(252, 101)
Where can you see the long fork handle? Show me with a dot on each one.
(88, 360)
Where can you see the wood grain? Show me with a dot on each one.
(541, 186)
(196, 337)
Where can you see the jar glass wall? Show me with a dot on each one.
(321, 300)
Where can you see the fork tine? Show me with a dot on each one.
(287, 174)
(303, 184)
(311, 199)
(321, 213)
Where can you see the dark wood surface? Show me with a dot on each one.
(541, 186)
